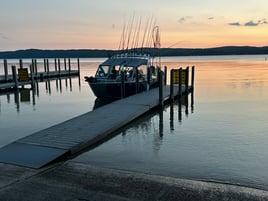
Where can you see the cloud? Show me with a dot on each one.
(184, 19)
(211, 18)
(234, 24)
(251, 23)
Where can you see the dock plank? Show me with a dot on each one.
(80, 132)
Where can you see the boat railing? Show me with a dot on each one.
(132, 55)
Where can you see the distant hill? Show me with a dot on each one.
(95, 53)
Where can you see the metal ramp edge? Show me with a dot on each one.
(29, 155)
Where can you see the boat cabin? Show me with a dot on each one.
(111, 69)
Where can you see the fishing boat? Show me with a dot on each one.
(128, 72)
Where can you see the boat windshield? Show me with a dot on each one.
(103, 71)
(128, 70)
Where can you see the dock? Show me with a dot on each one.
(19, 77)
(74, 135)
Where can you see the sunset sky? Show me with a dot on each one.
(89, 24)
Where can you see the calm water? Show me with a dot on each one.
(222, 138)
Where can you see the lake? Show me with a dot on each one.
(222, 137)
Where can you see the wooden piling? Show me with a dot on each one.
(148, 78)
(180, 82)
(6, 70)
(161, 82)
(35, 67)
(69, 65)
(21, 63)
(137, 80)
(59, 67)
(122, 84)
(55, 65)
(187, 79)
(192, 79)
(33, 64)
(165, 74)
(15, 76)
(47, 67)
(65, 65)
(78, 65)
(32, 75)
(172, 85)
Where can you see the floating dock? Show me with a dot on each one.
(28, 75)
(74, 135)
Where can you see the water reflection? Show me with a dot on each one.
(28, 95)
(142, 143)
(154, 120)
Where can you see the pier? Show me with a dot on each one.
(27, 74)
(74, 135)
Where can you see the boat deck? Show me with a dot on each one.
(76, 134)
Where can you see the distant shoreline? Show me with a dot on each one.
(97, 53)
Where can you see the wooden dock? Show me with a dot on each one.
(74, 135)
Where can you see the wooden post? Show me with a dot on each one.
(32, 75)
(21, 66)
(187, 79)
(59, 66)
(33, 64)
(5, 70)
(192, 79)
(69, 65)
(161, 100)
(148, 78)
(35, 67)
(15, 76)
(21, 63)
(122, 84)
(55, 65)
(165, 78)
(172, 85)
(47, 67)
(137, 80)
(78, 64)
(180, 82)
(65, 65)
